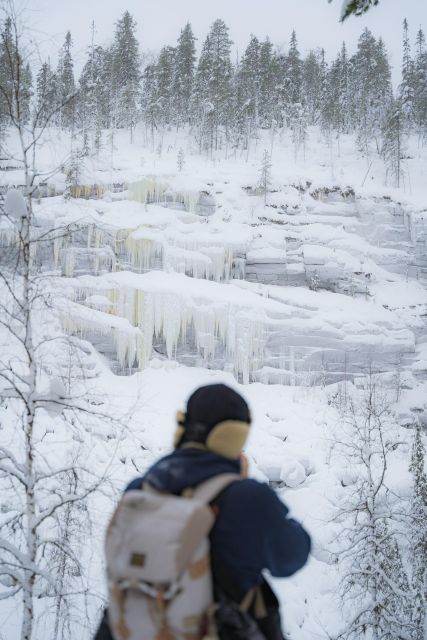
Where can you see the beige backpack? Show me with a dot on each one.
(158, 563)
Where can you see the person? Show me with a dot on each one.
(252, 531)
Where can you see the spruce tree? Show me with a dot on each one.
(94, 93)
(125, 73)
(149, 105)
(312, 86)
(13, 73)
(212, 93)
(266, 84)
(248, 84)
(66, 85)
(294, 72)
(46, 92)
(165, 96)
(372, 90)
(332, 108)
(183, 76)
(420, 85)
(345, 90)
(406, 89)
(393, 144)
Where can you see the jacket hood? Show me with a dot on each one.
(185, 468)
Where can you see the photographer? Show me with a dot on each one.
(251, 532)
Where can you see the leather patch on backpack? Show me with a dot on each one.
(137, 559)
(199, 568)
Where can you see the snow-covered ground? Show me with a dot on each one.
(292, 301)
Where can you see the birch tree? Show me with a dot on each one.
(374, 588)
(46, 472)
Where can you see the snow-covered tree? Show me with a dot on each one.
(266, 84)
(125, 69)
(149, 105)
(14, 71)
(46, 471)
(265, 175)
(298, 119)
(312, 86)
(46, 83)
(394, 141)
(95, 92)
(294, 72)
(183, 75)
(247, 90)
(371, 81)
(180, 160)
(418, 535)
(407, 89)
(165, 96)
(374, 585)
(420, 85)
(212, 90)
(66, 85)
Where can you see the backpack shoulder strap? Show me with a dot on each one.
(208, 490)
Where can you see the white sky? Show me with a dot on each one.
(159, 22)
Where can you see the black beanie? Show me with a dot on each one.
(209, 406)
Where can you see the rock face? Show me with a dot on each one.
(309, 292)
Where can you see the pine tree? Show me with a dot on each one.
(183, 76)
(125, 73)
(418, 535)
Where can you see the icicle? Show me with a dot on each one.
(128, 340)
(69, 262)
(147, 190)
(142, 252)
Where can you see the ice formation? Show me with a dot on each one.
(177, 311)
(79, 320)
(151, 190)
(166, 271)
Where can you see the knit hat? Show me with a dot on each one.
(217, 419)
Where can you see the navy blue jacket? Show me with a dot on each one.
(252, 531)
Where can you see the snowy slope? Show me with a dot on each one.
(181, 279)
